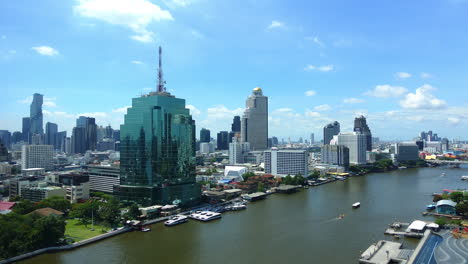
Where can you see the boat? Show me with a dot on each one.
(402, 168)
(237, 207)
(205, 216)
(145, 229)
(341, 216)
(397, 236)
(464, 178)
(175, 220)
(356, 205)
(430, 207)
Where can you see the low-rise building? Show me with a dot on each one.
(406, 151)
(103, 178)
(37, 194)
(446, 207)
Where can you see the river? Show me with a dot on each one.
(296, 228)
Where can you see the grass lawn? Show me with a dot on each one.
(79, 232)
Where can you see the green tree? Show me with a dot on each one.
(314, 175)
(456, 196)
(133, 211)
(299, 180)
(247, 175)
(261, 187)
(24, 207)
(462, 208)
(441, 221)
(288, 180)
(109, 212)
(55, 202)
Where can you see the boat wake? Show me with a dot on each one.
(340, 217)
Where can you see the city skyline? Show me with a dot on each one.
(404, 90)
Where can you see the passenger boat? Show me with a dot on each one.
(430, 207)
(175, 220)
(145, 229)
(464, 178)
(356, 205)
(238, 207)
(205, 216)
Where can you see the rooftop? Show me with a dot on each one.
(6, 205)
(446, 202)
(47, 211)
(417, 225)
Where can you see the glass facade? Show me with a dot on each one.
(157, 154)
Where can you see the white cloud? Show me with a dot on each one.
(197, 34)
(317, 41)
(178, 3)
(325, 68)
(193, 110)
(221, 111)
(46, 50)
(454, 120)
(402, 75)
(4, 37)
(283, 110)
(93, 114)
(122, 110)
(313, 114)
(324, 107)
(57, 114)
(136, 62)
(276, 24)
(136, 15)
(49, 104)
(353, 100)
(310, 93)
(47, 101)
(422, 99)
(425, 75)
(385, 91)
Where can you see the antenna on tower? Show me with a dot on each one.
(161, 88)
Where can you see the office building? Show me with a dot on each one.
(206, 147)
(37, 194)
(236, 124)
(61, 139)
(329, 131)
(335, 155)
(51, 134)
(157, 156)
(222, 140)
(356, 143)
(16, 137)
(81, 121)
(106, 144)
(116, 135)
(286, 162)
(237, 151)
(312, 138)
(37, 156)
(38, 139)
(103, 178)
(254, 123)
(5, 136)
(26, 129)
(78, 140)
(36, 115)
(406, 151)
(76, 186)
(4, 156)
(90, 133)
(205, 135)
(360, 126)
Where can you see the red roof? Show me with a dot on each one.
(6, 205)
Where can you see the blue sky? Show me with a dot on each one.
(403, 64)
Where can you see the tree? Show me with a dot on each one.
(462, 208)
(441, 221)
(247, 175)
(456, 196)
(24, 207)
(288, 180)
(261, 187)
(299, 180)
(109, 212)
(133, 211)
(314, 175)
(56, 202)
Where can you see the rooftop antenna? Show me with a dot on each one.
(161, 88)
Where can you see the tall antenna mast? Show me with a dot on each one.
(161, 82)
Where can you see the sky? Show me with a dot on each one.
(402, 64)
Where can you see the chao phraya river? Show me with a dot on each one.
(297, 228)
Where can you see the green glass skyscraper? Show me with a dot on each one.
(157, 151)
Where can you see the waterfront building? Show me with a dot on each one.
(446, 207)
(236, 124)
(51, 134)
(36, 115)
(206, 148)
(254, 123)
(37, 194)
(329, 131)
(103, 178)
(222, 140)
(5, 136)
(284, 162)
(26, 129)
(37, 156)
(406, 151)
(356, 143)
(445, 144)
(335, 155)
(237, 151)
(433, 146)
(360, 126)
(235, 173)
(205, 135)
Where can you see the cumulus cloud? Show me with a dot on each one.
(122, 110)
(47, 101)
(425, 75)
(276, 24)
(136, 15)
(422, 99)
(317, 41)
(221, 111)
(324, 107)
(193, 110)
(178, 3)
(93, 114)
(45, 50)
(325, 68)
(196, 34)
(385, 91)
(136, 62)
(310, 93)
(353, 100)
(402, 75)
(313, 114)
(454, 120)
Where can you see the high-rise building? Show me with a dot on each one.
(109, 132)
(61, 137)
(274, 141)
(336, 155)
(116, 135)
(91, 133)
(78, 140)
(237, 151)
(360, 126)
(37, 156)
(236, 124)
(254, 123)
(206, 147)
(284, 162)
(26, 129)
(329, 131)
(16, 137)
(157, 156)
(205, 135)
(407, 151)
(5, 135)
(4, 156)
(36, 114)
(81, 121)
(51, 134)
(222, 140)
(356, 143)
(103, 178)
(312, 138)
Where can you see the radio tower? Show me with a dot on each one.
(161, 88)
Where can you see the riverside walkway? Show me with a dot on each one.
(452, 250)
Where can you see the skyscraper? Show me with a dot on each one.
(51, 134)
(360, 126)
(26, 130)
(91, 133)
(254, 123)
(81, 121)
(312, 138)
(222, 140)
(329, 131)
(236, 124)
(36, 114)
(78, 140)
(5, 135)
(356, 143)
(157, 161)
(205, 135)
(16, 137)
(61, 140)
